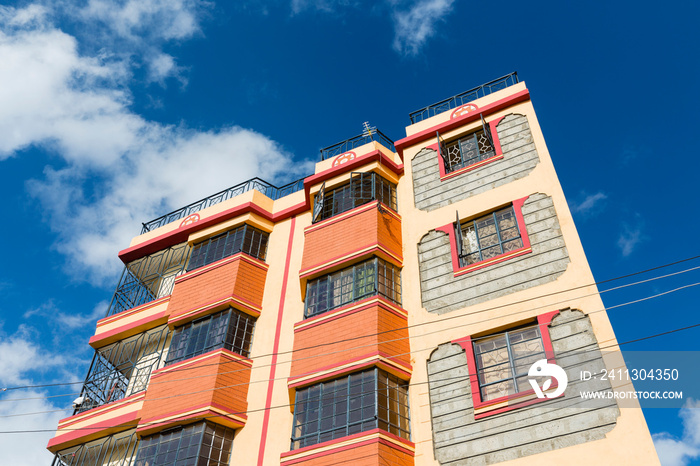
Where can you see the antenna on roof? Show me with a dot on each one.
(368, 130)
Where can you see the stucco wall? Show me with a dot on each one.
(441, 292)
(459, 439)
(519, 158)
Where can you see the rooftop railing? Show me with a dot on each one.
(465, 97)
(349, 144)
(268, 189)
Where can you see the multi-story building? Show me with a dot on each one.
(384, 310)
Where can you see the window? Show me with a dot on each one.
(203, 444)
(488, 236)
(499, 363)
(231, 329)
(503, 360)
(357, 403)
(467, 150)
(362, 188)
(369, 278)
(242, 239)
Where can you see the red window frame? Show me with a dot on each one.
(498, 152)
(516, 400)
(527, 248)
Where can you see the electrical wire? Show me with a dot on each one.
(461, 377)
(443, 319)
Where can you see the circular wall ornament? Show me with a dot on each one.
(344, 158)
(463, 110)
(189, 220)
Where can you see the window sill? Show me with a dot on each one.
(458, 271)
(349, 442)
(469, 168)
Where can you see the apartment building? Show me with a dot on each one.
(385, 309)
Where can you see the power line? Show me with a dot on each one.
(446, 319)
(460, 378)
(421, 350)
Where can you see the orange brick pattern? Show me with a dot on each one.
(374, 454)
(340, 238)
(213, 381)
(237, 278)
(367, 324)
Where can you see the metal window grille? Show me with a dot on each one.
(149, 278)
(468, 150)
(371, 277)
(362, 188)
(202, 444)
(245, 239)
(359, 402)
(231, 329)
(503, 360)
(123, 368)
(115, 450)
(489, 236)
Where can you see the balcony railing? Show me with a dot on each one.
(149, 278)
(114, 450)
(123, 368)
(349, 144)
(271, 191)
(465, 97)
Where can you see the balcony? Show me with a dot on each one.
(464, 97)
(268, 189)
(117, 449)
(123, 368)
(372, 134)
(149, 278)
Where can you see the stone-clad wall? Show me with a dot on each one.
(459, 439)
(441, 292)
(519, 158)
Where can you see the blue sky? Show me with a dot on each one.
(113, 112)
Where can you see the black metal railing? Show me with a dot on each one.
(464, 97)
(349, 144)
(123, 368)
(268, 189)
(149, 278)
(115, 450)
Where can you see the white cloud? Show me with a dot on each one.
(630, 238)
(590, 203)
(327, 6)
(27, 449)
(20, 357)
(68, 321)
(680, 452)
(417, 23)
(136, 19)
(120, 169)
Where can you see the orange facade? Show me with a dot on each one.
(349, 338)
(235, 281)
(355, 234)
(213, 386)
